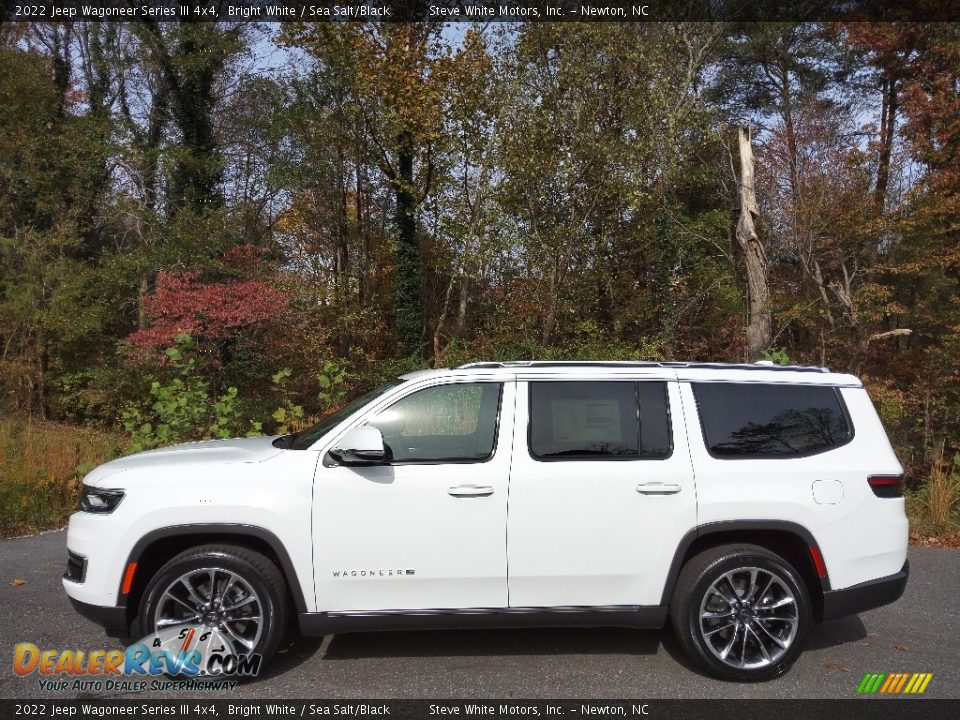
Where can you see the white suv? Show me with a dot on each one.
(742, 502)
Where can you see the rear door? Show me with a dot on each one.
(601, 491)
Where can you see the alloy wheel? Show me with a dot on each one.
(215, 599)
(748, 618)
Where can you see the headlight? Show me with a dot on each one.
(98, 500)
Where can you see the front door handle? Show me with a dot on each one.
(470, 490)
(658, 488)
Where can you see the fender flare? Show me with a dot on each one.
(732, 526)
(254, 531)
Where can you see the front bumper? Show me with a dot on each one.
(101, 542)
(866, 595)
(111, 619)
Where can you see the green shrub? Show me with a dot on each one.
(183, 408)
(289, 416)
(776, 355)
(332, 379)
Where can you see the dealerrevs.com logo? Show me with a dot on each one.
(185, 657)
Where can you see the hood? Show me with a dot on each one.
(236, 450)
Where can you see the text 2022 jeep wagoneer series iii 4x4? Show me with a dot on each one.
(741, 502)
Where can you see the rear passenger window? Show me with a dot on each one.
(599, 420)
(770, 421)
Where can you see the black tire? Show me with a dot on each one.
(763, 618)
(255, 569)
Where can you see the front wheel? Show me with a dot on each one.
(741, 612)
(235, 597)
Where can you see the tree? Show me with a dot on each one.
(924, 269)
(333, 225)
(759, 324)
(890, 50)
(213, 313)
(52, 182)
(601, 126)
(813, 180)
(397, 73)
(462, 211)
(190, 60)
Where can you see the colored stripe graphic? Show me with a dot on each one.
(865, 683)
(901, 682)
(874, 684)
(894, 683)
(887, 683)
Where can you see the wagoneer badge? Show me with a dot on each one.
(373, 573)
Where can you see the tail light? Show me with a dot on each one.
(886, 486)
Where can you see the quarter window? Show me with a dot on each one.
(770, 421)
(444, 423)
(599, 420)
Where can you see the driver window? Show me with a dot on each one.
(443, 423)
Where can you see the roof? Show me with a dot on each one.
(761, 372)
(759, 365)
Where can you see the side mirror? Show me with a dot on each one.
(360, 446)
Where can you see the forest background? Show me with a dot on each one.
(218, 229)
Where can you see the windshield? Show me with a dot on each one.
(305, 438)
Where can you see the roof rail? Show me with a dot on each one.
(760, 365)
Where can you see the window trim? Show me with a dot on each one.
(799, 456)
(602, 458)
(464, 461)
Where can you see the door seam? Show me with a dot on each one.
(506, 523)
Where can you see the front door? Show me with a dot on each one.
(601, 491)
(428, 529)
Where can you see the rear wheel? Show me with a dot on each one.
(233, 595)
(741, 612)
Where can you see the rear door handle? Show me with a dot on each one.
(470, 490)
(658, 488)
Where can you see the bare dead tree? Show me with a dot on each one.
(759, 324)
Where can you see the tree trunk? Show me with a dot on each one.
(888, 124)
(408, 276)
(41, 398)
(791, 137)
(601, 276)
(142, 290)
(438, 330)
(341, 260)
(759, 325)
(62, 64)
(363, 240)
(550, 311)
(663, 286)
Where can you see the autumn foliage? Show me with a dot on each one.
(389, 196)
(210, 312)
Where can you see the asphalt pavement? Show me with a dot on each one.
(920, 633)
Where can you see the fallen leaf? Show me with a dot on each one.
(18, 582)
(951, 540)
(901, 647)
(836, 666)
